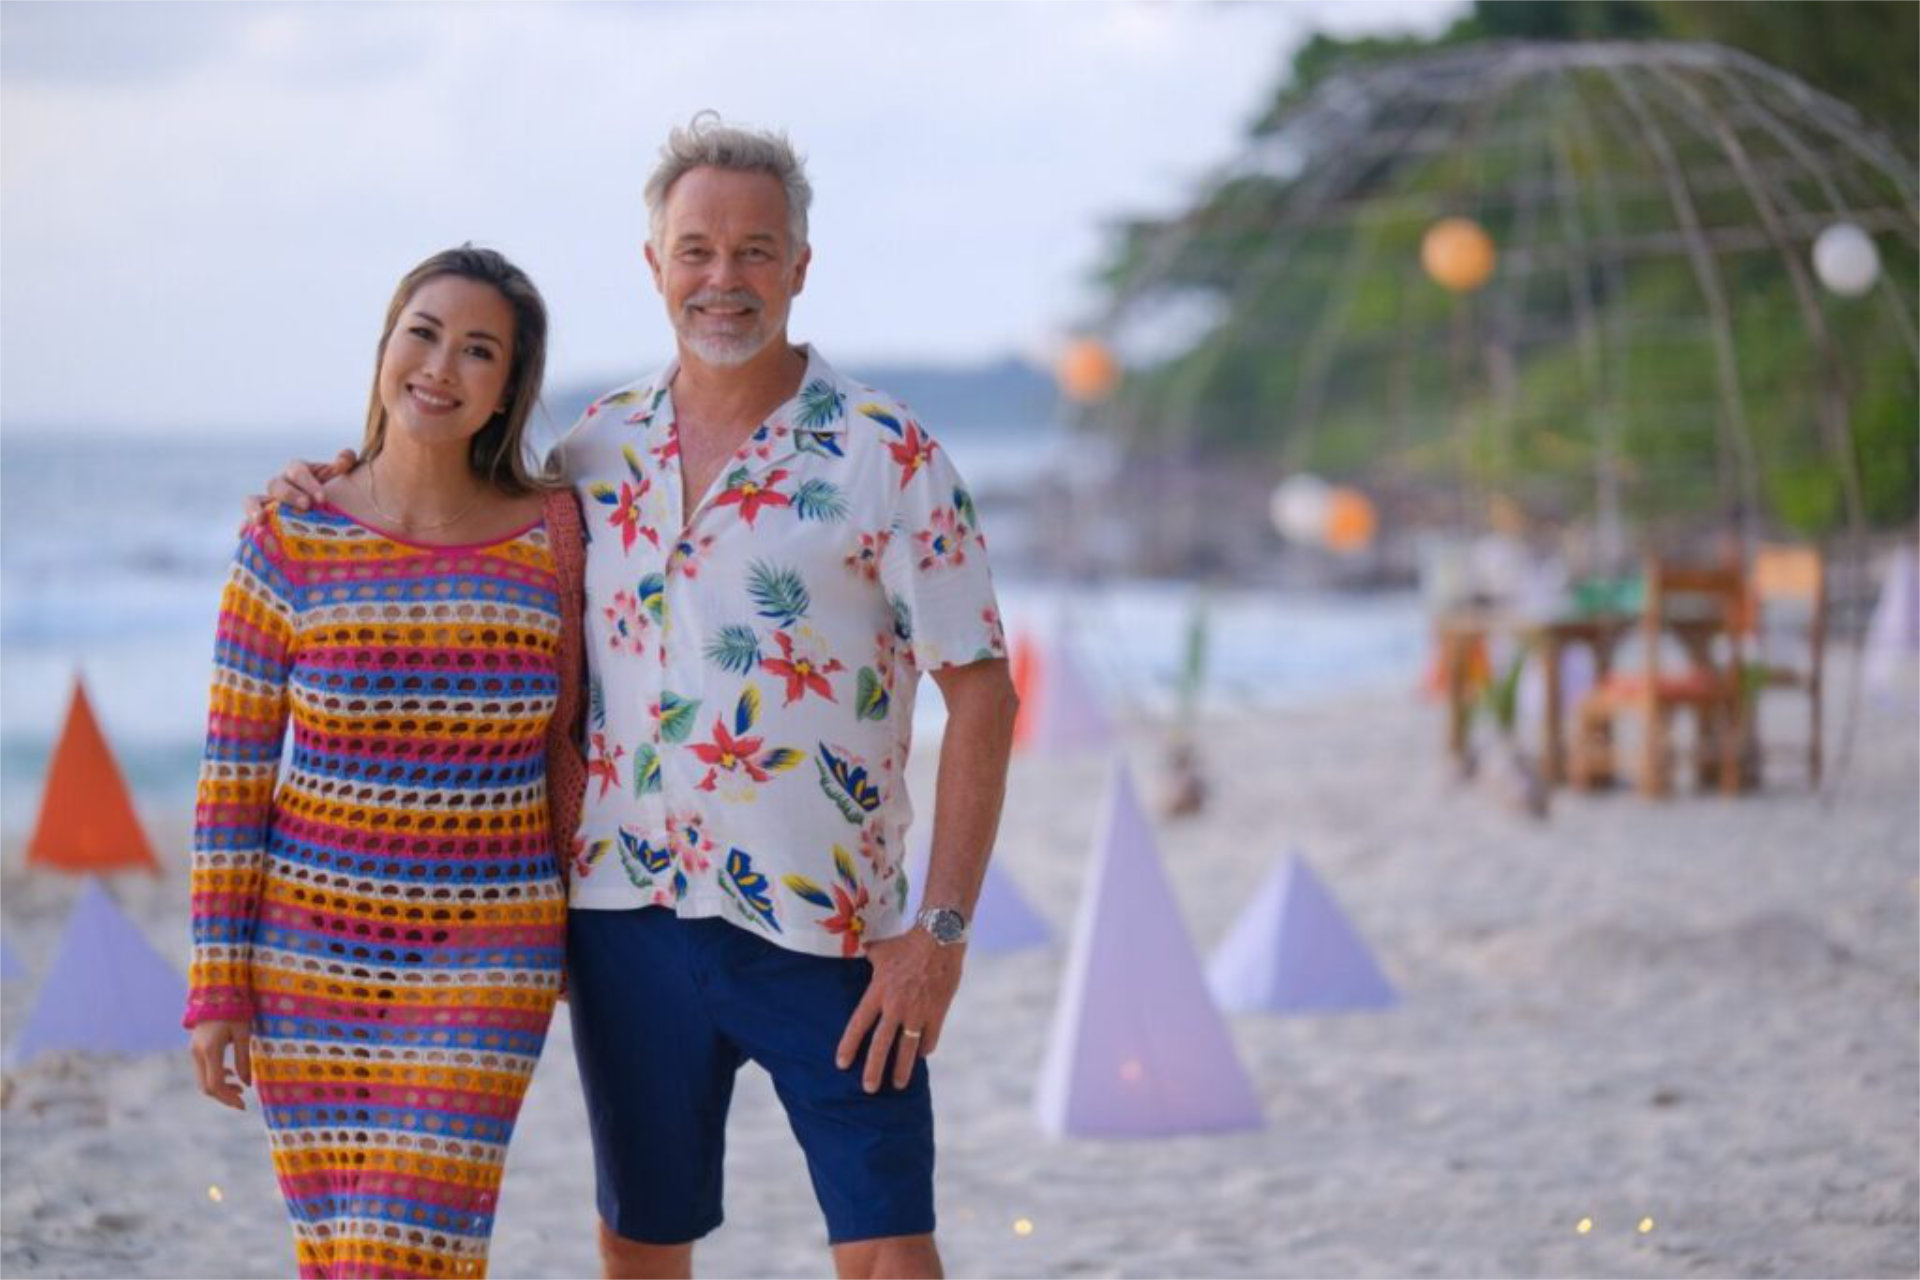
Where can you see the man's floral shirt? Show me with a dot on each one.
(753, 663)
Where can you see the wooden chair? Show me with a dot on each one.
(1699, 606)
(1790, 581)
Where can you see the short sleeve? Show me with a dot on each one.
(934, 568)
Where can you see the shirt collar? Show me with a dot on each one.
(820, 407)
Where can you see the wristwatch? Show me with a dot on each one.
(948, 927)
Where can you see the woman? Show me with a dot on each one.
(378, 943)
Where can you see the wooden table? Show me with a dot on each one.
(1460, 633)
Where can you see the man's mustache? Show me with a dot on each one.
(724, 298)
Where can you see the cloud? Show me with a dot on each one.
(111, 44)
(216, 207)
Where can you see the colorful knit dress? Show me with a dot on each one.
(392, 916)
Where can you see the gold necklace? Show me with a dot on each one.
(373, 496)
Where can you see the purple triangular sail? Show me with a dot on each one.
(1072, 716)
(107, 991)
(1003, 919)
(1293, 951)
(1138, 1048)
(1893, 634)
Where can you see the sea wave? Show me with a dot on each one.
(111, 560)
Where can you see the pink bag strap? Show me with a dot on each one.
(565, 538)
(566, 769)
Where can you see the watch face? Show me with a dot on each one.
(946, 925)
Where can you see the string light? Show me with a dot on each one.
(1023, 1226)
(215, 1194)
(1458, 254)
(1584, 1226)
(1646, 1226)
(1351, 520)
(1088, 371)
(1845, 259)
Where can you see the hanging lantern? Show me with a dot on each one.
(1299, 508)
(1088, 372)
(1458, 254)
(1351, 522)
(1845, 259)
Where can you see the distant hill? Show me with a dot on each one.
(1000, 395)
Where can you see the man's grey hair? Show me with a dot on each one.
(707, 141)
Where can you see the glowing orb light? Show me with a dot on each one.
(1087, 371)
(1583, 1226)
(1646, 1226)
(1845, 259)
(1299, 507)
(1458, 254)
(1351, 521)
(1023, 1226)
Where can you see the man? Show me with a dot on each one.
(776, 554)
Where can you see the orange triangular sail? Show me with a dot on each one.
(86, 822)
(1026, 686)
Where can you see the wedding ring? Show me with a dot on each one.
(911, 1035)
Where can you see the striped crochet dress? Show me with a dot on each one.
(392, 917)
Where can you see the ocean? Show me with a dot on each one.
(113, 549)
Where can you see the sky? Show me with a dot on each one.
(204, 207)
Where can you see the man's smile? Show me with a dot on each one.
(728, 310)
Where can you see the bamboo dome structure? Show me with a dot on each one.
(1638, 338)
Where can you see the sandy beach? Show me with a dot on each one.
(1704, 1012)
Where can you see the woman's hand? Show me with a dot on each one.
(209, 1044)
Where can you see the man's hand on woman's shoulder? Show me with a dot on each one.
(299, 485)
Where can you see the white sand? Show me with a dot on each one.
(1705, 1012)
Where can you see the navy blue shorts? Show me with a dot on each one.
(666, 1010)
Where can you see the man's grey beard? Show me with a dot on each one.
(725, 352)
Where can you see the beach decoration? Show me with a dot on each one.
(107, 991)
(1197, 642)
(1024, 657)
(1845, 259)
(1893, 633)
(11, 966)
(1088, 372)
(1351, 522)
(1293, 951)
(1299, 507)
(1003, 919)
(1307, 510)
(86, 821)
(1458, 254)
(1183, 782)
(1059, 710)
(1138, 1049)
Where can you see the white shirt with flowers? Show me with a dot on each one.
(753, 664)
